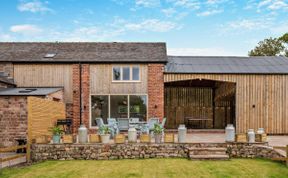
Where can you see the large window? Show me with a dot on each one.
(99, 108)
(118, 106)
(126, 73)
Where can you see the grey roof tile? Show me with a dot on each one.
(28, 91)
(203, 64)
(83, 51)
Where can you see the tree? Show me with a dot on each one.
(271, 47)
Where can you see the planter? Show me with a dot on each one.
(158, 138)
(145, 138)
(241, 137)
(94, 138)
(120, 138)
(105, 138)
(261, 137)
(56, 139)
(67, 138)
(169, 138)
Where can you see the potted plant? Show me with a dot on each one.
(104, 132)
(56, 131)
(158, 132)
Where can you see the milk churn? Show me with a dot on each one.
(260, 131)
(82, 134)
(132, 134)
(182, 132)
(251, 136)
(230, 133)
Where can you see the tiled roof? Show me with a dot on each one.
(233, 65)
(83, 51)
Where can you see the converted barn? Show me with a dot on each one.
(210, 92)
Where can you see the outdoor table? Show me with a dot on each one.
(191, 119)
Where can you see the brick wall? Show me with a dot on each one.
(85, 95)
(155, 90)
(13, 119)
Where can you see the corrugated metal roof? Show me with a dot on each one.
(83, 51)
(233, 65)
(28, 91)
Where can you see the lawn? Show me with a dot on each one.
(157, 168)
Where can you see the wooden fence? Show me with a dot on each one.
(42, 115)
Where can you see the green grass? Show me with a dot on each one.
(151, 168)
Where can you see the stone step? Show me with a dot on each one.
(207, 151)
(209, 157)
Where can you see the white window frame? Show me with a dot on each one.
(109, 107)
(121, 73)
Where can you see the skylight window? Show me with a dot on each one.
(50, 55)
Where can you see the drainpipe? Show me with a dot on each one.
(80, 93)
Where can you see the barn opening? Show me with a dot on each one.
(200, 104)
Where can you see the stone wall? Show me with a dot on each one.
(7, 68)
(42, 152)
(13, 119)
(248, 150)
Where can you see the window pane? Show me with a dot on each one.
(135, 72)
(119, 106)
(99, 108)
(116, 73)
(138, 107)
(126, 73)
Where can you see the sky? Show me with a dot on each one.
(189, 27)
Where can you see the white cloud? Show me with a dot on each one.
(34, 6)
(210, 12)
(191, 4)
(26, 29)
(169, 12)
(248, 24)
(153, 25)
(201, 52)
(272, 5)
(147, 3)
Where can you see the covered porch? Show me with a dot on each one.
(200, 104)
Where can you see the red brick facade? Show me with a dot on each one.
(85, 94)
(156, 90)
(13, 119)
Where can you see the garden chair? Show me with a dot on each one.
(123, 124)
(113, 125)
(150, 125)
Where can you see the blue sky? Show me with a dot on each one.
(189, 27)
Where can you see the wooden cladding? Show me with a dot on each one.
(261, 100)
(101, 81)
(45, 75)
(42, 115)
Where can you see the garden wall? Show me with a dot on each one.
(41, 152)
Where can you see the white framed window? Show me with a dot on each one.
(118, 106)
(129, 73)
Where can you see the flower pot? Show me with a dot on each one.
(56, 138)
(158, 138)
(105, 138)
